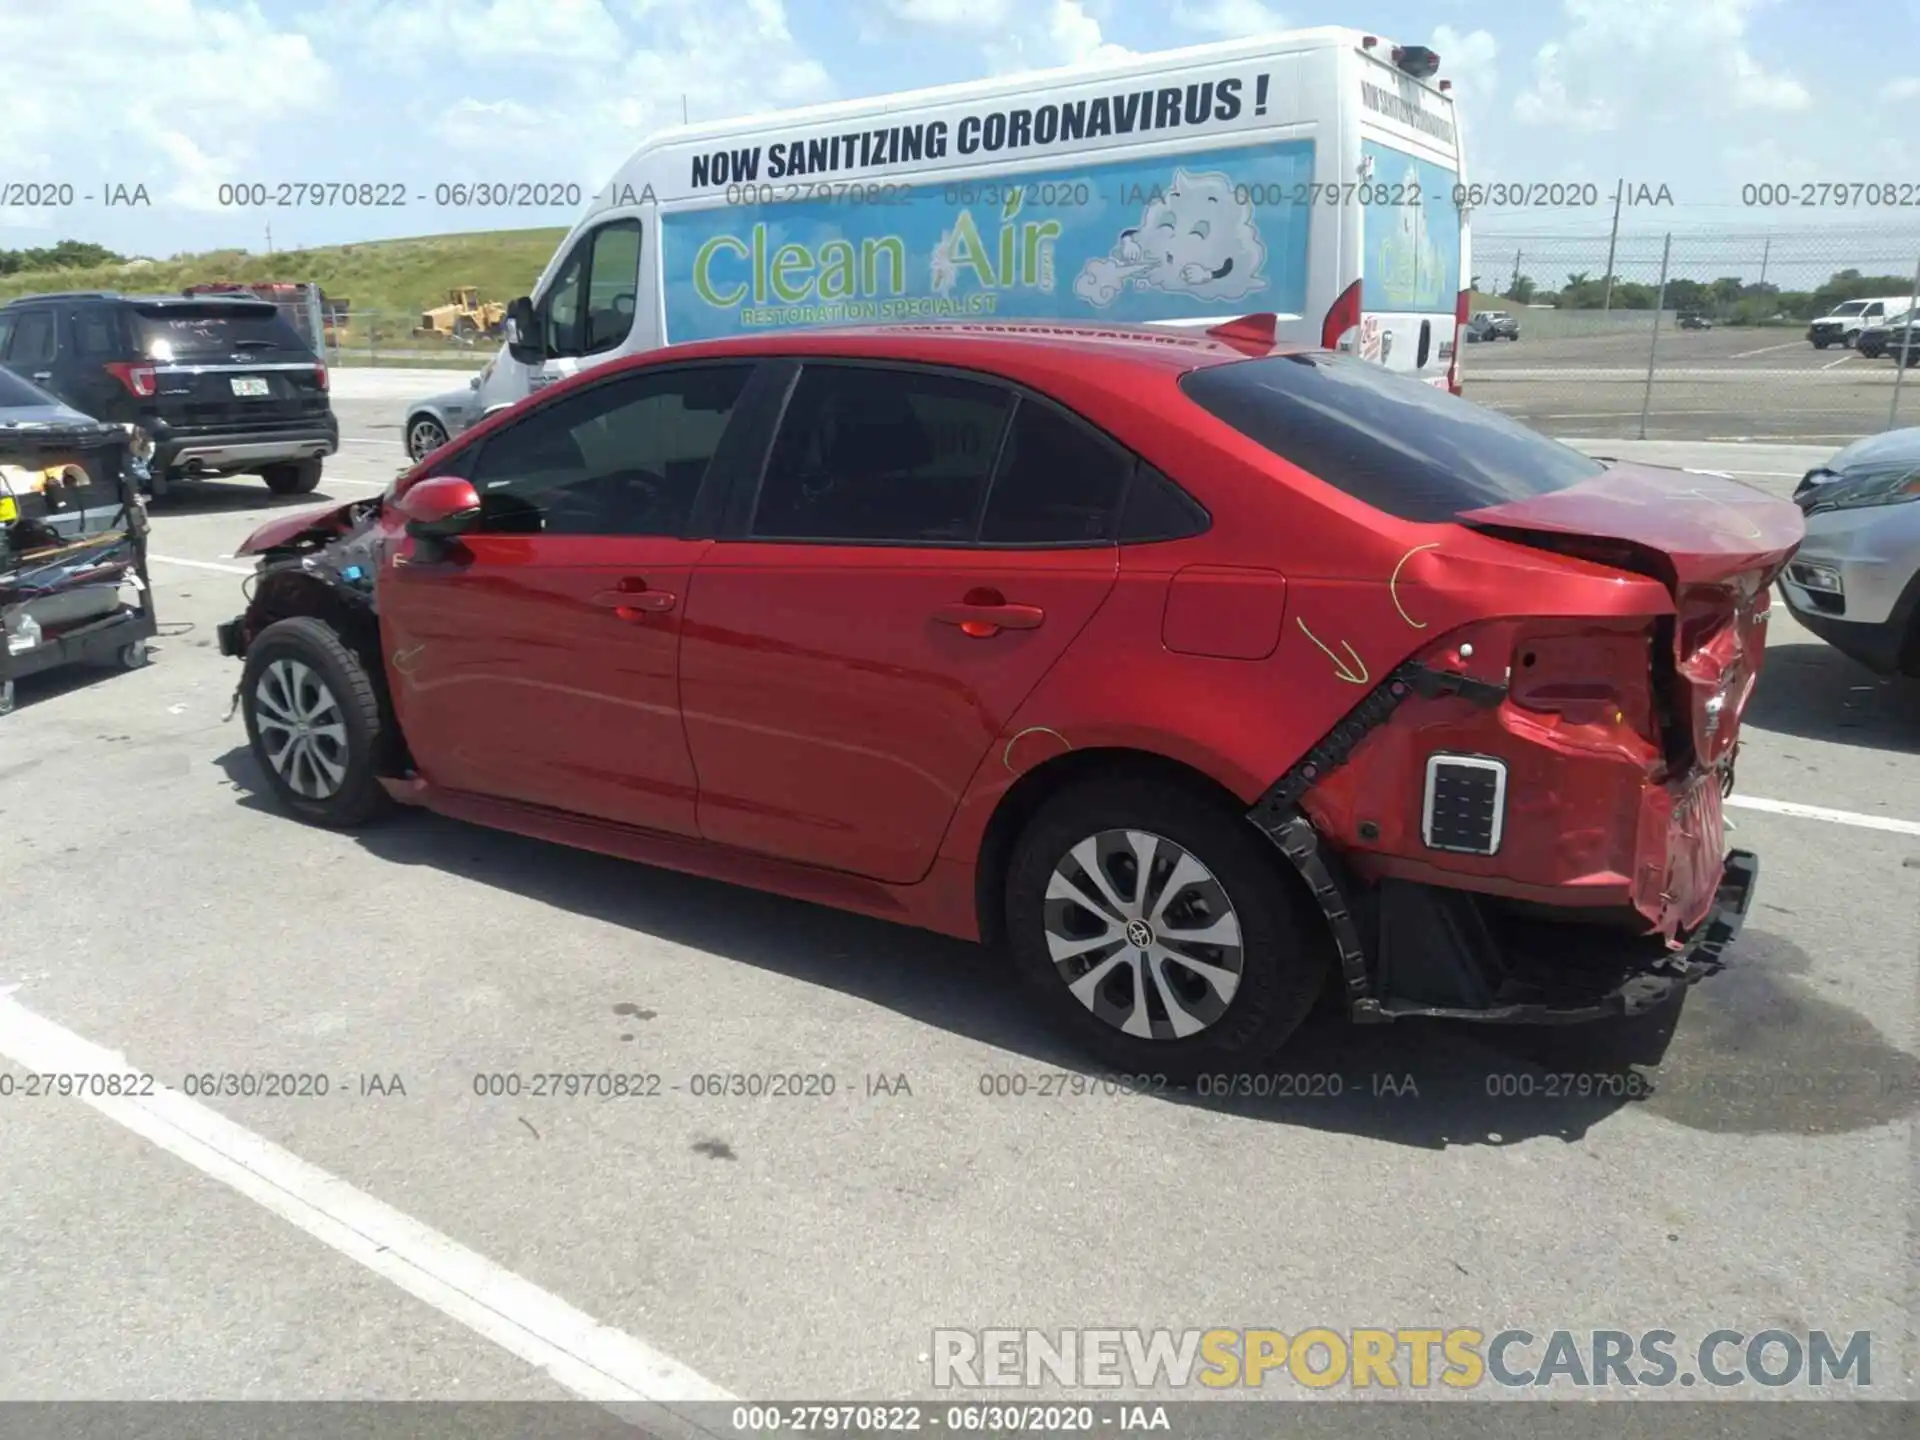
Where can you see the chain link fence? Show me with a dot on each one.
(353, 336)
(1683, 336)
(1700, 336)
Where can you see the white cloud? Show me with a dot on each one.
(1229, 19)
(416, 35)
(1469, 61)
(1905, 88)
(1652, 59)
(575, 92)
(177, 92)
(1011, 36)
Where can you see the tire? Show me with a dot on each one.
(296, 477)
(1283, 955)
(1821, 344)
(300, 666)
(424, 436)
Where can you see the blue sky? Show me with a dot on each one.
(181, 95)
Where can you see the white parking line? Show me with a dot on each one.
(201, 564)
(592, 1360)
(1835, 364)
(1821, 812)
(1767, 350)
(356, 440)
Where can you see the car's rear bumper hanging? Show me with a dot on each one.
(1409, 949)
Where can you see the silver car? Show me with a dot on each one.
(434, 421)
(1855, 581)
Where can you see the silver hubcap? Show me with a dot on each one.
(425, 438)
(1143, 935)
(301, 729)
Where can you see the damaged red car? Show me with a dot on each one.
(1203, 674)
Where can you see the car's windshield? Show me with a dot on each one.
(1852, 307)
(1404, 447)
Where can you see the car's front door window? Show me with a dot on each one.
(623, 458)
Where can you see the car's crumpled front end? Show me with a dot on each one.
(1523, 821)
(317, 562)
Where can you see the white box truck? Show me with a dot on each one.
(1315, 176)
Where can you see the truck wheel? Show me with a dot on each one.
(1160, 930)
(314, 722)
(296, 477)
(1821, 344)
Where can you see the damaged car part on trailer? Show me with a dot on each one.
(73, 576)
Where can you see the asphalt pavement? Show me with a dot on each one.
(408, 1235)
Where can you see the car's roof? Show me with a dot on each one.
(117, 297)
(991, 344)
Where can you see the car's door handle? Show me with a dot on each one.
(981, 616)
(637, 603)
(43, 375)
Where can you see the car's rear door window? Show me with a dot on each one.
(1058, 483)
(216, 332)
(881, 454)
(1401, 446)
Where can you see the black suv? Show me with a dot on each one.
(225, 386)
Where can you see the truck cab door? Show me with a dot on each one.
(587, 314)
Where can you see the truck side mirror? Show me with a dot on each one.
(525, 343)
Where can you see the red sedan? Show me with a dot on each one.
(1201, 673)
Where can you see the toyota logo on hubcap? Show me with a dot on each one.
(1138, 934)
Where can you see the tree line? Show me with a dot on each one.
(1729, 300)
(67, 255)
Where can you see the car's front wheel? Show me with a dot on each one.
(424, 436)
(315, 723)
(1161, 930)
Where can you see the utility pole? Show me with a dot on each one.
(1653, 346)
(1904, 355)
(1613, 241)
(269, 239)
(1766, 248)
(1515, 284)
(683, 109)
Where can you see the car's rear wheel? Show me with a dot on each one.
(1160, 930)
(424, 436)
(314, 721)
(1821, 344)
(296, 477)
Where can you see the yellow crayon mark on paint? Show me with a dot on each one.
(1754, 532)
(1006, 755)
(1393, 583)
(1340, 667)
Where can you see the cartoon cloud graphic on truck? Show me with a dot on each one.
(1196, 237)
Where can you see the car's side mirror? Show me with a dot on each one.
(525, 342)
(474, 383)
(439, 507)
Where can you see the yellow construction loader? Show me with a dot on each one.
(464, 317)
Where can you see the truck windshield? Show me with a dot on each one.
(1401, 446)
